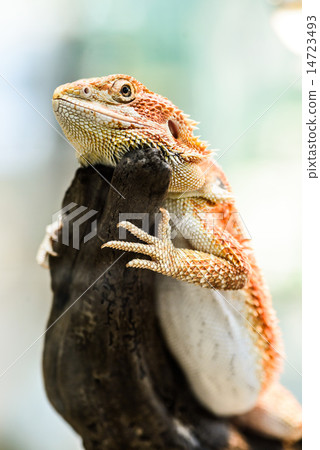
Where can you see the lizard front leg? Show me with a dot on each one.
(229, 270)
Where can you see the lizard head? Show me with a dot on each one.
(106, 117)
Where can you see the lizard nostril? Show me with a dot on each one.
(86, 91)
(173, 127)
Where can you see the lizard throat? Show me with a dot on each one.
(100, 135)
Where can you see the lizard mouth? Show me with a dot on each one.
(95, 109)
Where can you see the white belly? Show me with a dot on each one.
(212, 343)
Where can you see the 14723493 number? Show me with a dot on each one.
(311, 43)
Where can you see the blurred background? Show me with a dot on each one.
(234, 66)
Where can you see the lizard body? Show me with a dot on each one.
(214, 308)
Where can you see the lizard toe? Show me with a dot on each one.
(137, 232)
(144, 264)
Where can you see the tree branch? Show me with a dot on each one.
(106, 367)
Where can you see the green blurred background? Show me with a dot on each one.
(233, 65)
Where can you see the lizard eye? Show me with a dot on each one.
(173, 127)
(122, 91)
(126, 90)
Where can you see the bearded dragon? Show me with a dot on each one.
(214, 308)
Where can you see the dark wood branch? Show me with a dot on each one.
(107, 370)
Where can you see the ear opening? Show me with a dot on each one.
(173, 127)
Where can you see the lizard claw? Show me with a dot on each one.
(46, 247)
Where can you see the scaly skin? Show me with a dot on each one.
(106, 117)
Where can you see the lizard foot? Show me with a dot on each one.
(188, 265)
(277, 415)
(46, 248)
(160, 248)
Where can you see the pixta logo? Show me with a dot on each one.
(187, 225)
(70, 218)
